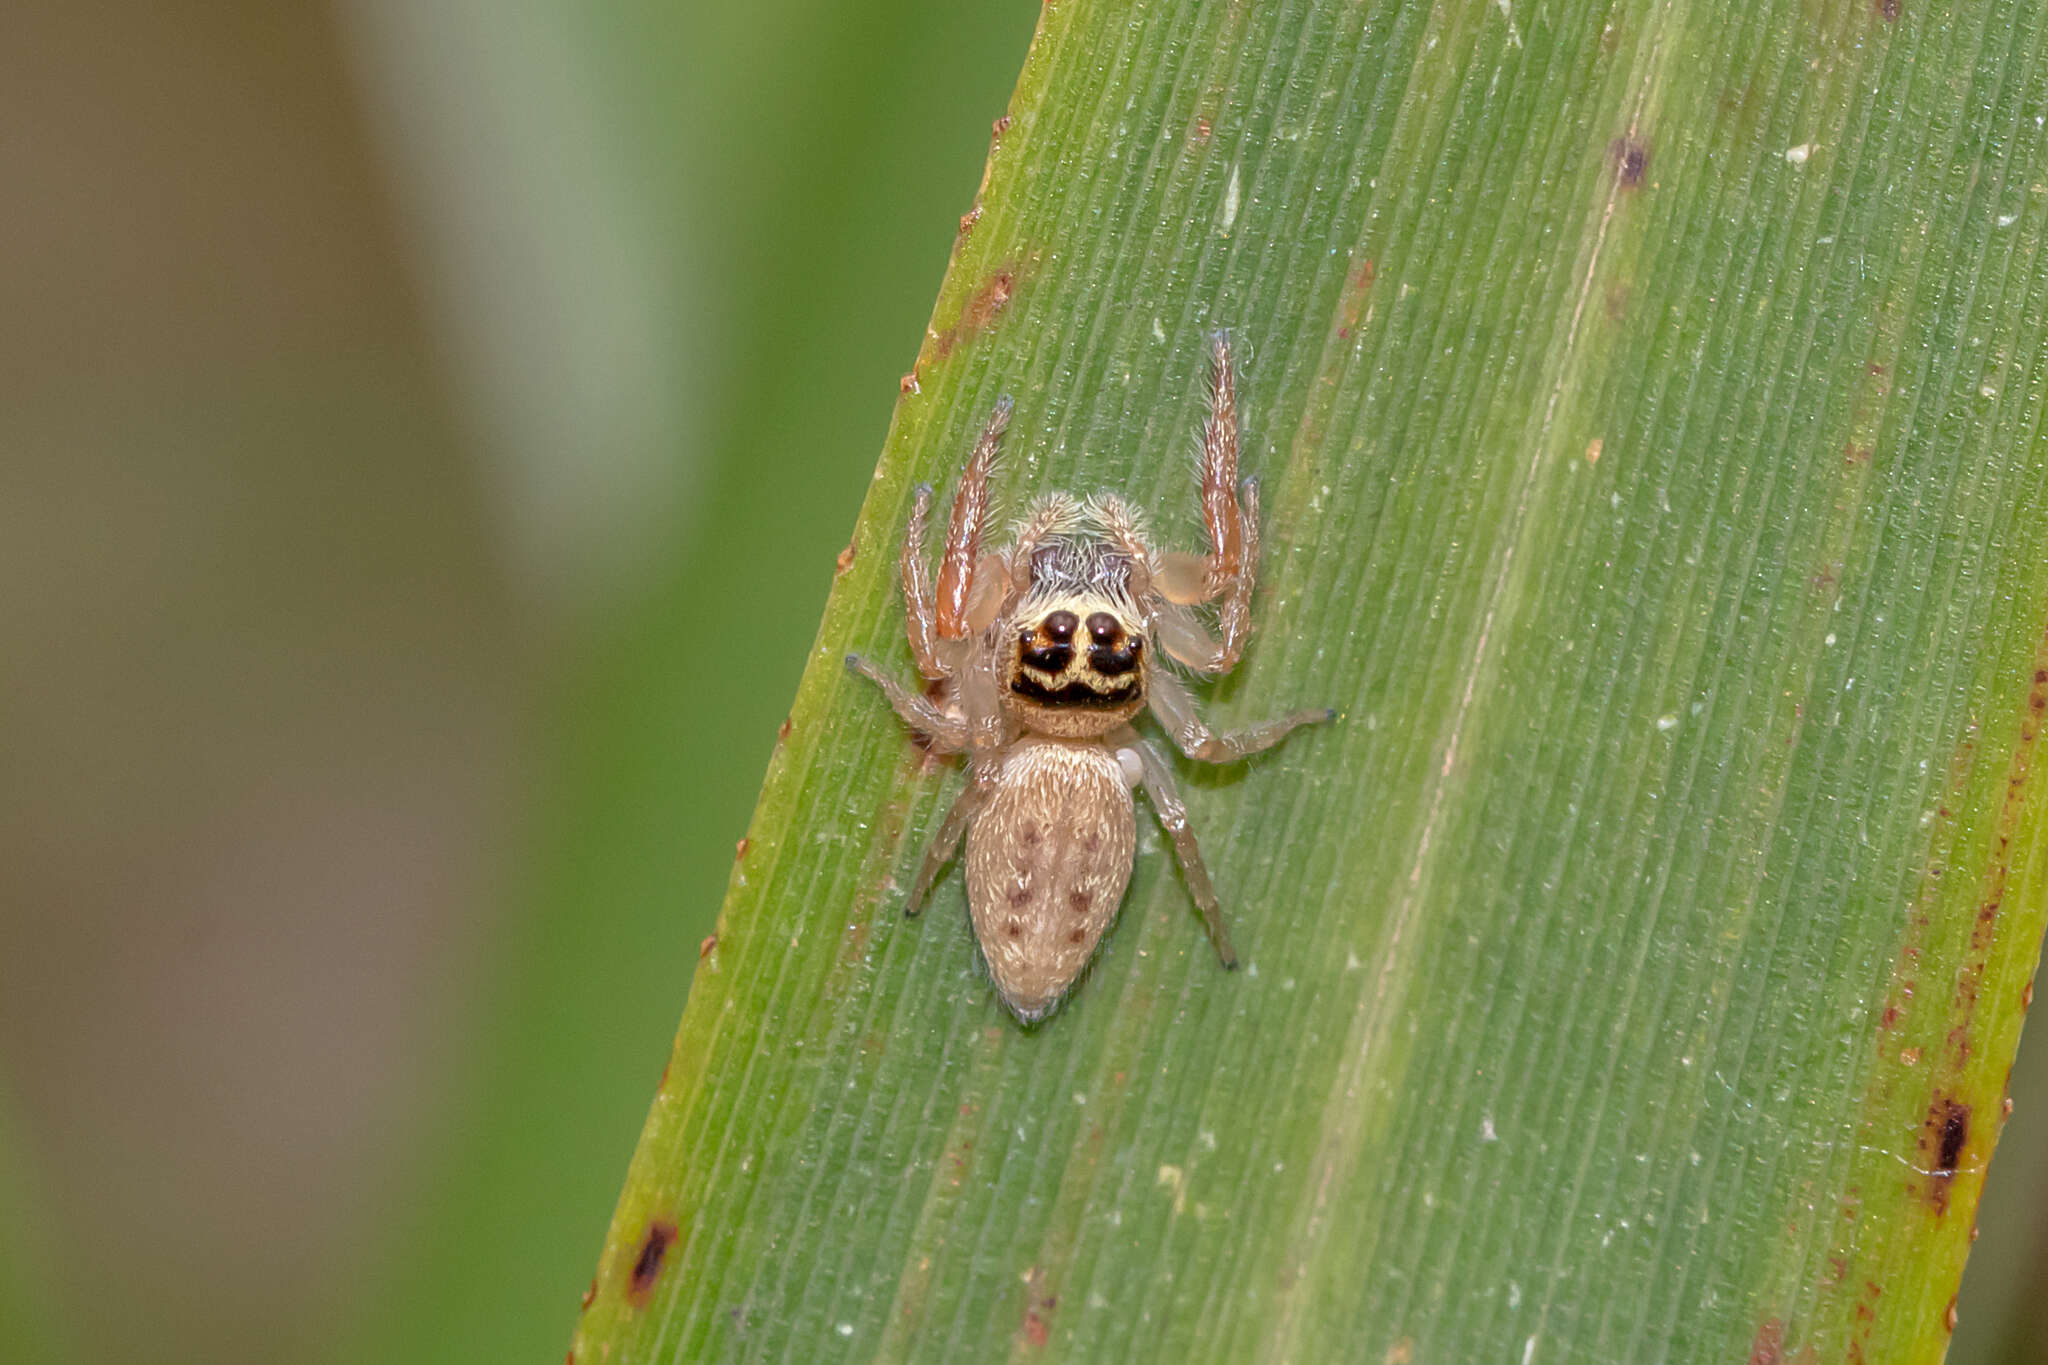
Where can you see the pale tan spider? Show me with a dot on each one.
(1043, 653)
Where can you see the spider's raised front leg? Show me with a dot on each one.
(1176, 711)
(920, 616)
(1230, 509)
(962, 557)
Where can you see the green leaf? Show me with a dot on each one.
(1648, 399)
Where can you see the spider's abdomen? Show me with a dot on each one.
(1047, 860)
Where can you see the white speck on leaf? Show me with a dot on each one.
(1486, 1133)
(1668, 721)
(1230, 193)
(1797, 155)
(1514, 34)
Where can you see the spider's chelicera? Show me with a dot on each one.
(1042, 654)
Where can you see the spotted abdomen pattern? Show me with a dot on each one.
(1048, 857)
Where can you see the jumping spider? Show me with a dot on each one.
(1043, 652)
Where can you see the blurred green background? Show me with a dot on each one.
(428, 429)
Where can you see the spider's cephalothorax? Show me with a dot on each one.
(1042, 654)
(1074, 665)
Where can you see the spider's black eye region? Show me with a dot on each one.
(1059, 626)
(1113, 661)
(1103, 628)
(1053, 657)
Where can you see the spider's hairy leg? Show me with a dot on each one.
(1176, 711)
(1230, 510)
(963, 532)
(920, 617)
(944, 844)
(948, 734)
(1157, 779)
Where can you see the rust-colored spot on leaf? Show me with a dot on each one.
(739, 850)
(1631, 161)
(1948, 1317)
(708, 946)
(782, 730)
(591, 1293)
(969, 219)
(845, 560)
(908, 383)
(1357, 289)
(1593, 448)
(981, 310)
(1767, 1347)
(997, 129)
(661, 1235)
(1037, 1309)
(1855, 456)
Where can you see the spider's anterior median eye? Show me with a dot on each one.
(1103, 628)
(1049, 649)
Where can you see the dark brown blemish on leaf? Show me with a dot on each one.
(997, 129)
(1888, 10)
(969, 219)
(739, 850)
(708, 946)
(845, 560)
(1767, 1347)
(1631, 162)
(661, 1235)
(782, 730)
(1944, 1136)
(908, 383)
(1955, 1132)
(590, 1293)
